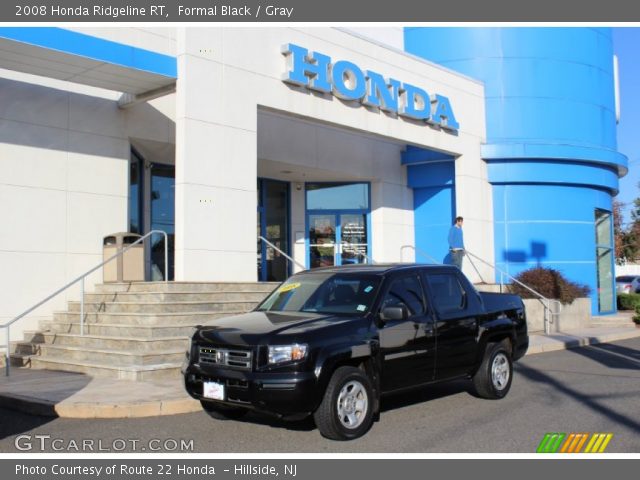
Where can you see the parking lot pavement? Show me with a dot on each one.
(73, 395)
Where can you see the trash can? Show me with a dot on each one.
(128, 267)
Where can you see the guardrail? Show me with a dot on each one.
(290, 259)
(81, 280)
(548, 312)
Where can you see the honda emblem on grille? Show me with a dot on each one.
(220, 357)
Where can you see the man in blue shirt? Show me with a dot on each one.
(456, 243)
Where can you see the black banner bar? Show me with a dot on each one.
(316, 469)
(352, 11)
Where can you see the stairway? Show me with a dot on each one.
(133, 331)
(623, 318)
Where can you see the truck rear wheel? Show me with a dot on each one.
(493, 378)
(346, 411)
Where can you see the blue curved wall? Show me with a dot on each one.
(551, 136)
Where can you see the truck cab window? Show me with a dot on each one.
(448, 294)
(406, 292)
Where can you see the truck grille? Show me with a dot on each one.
(224, 357)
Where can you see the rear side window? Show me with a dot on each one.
(406, 292)
(626, 278)
(448, 294)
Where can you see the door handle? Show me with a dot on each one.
(428, 329)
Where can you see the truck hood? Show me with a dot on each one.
(255, 328)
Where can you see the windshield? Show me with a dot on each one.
(344, 294)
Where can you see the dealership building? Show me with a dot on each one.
(338, 146)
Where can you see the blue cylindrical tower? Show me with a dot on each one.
(551, 143)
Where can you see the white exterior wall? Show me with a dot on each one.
(227, 74)
(64, 150)
(64, 156)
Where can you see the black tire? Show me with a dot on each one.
(493, 378)
(346, 411)
(223, 412)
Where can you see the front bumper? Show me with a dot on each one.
(282, 394)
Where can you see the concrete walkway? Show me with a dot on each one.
(73, 395)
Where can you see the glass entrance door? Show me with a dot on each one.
(162, 209)
(322, 241)
(337, 239)
(604, 265)
(353, 238)
(273, 224)
(152, 207)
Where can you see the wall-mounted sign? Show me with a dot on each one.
(347, 81)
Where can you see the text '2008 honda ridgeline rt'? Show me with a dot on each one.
(330, 342)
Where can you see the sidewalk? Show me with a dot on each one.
(74, 395)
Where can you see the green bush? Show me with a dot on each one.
(628, 301)
(549, 283)
(636, 317)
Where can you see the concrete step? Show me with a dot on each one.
(623, 318)
(194, 318)
(612, 323)
(157, 372)
(172, 297)
(25, 348)
(155, 307)
(265, 287)
(135, 331)
(121, 330)
(33, 341)
(110, 357)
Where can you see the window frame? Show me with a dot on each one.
(452, 311)
(425, 298)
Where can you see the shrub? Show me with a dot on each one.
(549, 283)
(628, 301)
(636, 317)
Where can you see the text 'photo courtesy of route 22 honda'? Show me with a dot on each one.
(331, 341)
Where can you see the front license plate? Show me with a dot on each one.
(213, 390)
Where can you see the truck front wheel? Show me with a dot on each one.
(493, 378)
(346, 411)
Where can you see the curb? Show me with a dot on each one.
(551, 344)
(85, 410)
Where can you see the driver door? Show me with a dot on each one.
(407, 345)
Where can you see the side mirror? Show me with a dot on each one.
(393, 313)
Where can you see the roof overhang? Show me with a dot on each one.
(87, 60)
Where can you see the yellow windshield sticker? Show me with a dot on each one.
(289, 287)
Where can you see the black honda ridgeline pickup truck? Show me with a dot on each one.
(330, 342)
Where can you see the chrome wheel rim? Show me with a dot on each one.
(500, 371)
(352, 404)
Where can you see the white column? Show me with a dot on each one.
(216, 166)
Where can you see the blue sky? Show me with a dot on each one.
(626, 44)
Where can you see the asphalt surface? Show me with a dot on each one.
(592, 389)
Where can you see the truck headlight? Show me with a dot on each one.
(286, 353)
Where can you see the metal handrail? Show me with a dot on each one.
(281, 252)
(81, 280)
(545, 301)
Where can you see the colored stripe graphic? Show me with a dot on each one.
(556, 442)
(551, 442)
